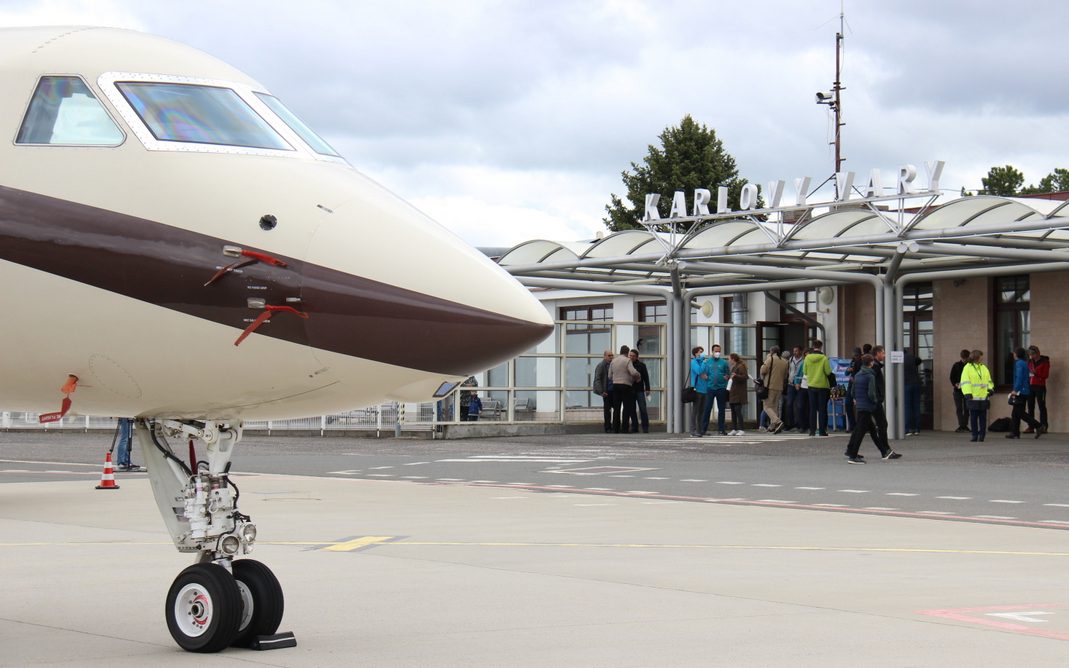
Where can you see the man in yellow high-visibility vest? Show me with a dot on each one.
(976, 385)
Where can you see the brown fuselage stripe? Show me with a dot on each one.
(168, 266)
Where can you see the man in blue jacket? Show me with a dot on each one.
(866, 402)
(1019, 397)
(717, 370)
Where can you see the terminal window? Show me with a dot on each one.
(1013, 298)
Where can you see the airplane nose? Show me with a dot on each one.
(408, 293)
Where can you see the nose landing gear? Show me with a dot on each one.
(219, 601)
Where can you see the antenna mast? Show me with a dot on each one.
(836, 88)
(834, 99)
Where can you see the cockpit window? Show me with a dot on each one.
(64, 112)
(200, 115)
(297, 125)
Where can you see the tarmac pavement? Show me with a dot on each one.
(437, 574)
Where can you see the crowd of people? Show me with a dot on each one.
(795, 389)
(623, 383)
(971, 380)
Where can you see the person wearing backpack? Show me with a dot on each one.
(976, 386)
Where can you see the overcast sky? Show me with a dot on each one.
(507, 121)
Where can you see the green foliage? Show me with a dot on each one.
(690, 156)
(1056, 181)
(1005, 181)
(1008, 181)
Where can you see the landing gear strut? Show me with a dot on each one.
(219, 601)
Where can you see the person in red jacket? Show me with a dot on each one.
(1038, 370)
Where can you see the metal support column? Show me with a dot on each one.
(677, 368)
(891, 384)
(900, 369)
(879, 332)
(671, 354)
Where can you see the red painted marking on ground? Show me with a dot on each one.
(964, 615)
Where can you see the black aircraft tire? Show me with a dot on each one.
(203, 608)
(260, 591)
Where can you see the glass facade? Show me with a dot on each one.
(530, 387)
(587, 334)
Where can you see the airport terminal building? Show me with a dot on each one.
(980, 272)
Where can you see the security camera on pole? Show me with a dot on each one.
(834, 100)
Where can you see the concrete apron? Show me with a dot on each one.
(404, 574)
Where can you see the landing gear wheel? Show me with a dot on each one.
(261, 599)
(203, 608)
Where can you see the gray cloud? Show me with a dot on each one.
(580, 89)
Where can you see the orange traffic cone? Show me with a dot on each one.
(107, 479)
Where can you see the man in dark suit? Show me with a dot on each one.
(642, 392)
(960, 407)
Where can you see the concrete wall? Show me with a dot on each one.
(961, 319)
(857, 320)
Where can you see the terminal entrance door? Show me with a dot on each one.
(786, 335)
(918, 337)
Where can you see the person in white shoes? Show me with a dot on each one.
(737, 389)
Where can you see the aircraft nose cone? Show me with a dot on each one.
(373, 320)
(385, 282)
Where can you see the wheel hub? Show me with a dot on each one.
(193, 610)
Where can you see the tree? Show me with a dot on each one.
(690, 157)
(1056, 181)
(1005, 181)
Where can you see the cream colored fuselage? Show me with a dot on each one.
(136, 357)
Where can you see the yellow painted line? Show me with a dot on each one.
(356, 544)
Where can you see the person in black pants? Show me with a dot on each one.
(603, 387)
(622, 375)
(866, 401)
(960, 407)
(1038, 372)
(1019, 396)
(642, 392)
(879, 415)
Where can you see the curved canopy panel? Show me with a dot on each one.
(536, 250)
(1060, 210)
(1005, 233)
(618, 244)
(725, 233)
(751, 238)
(651, 246)
(1010, 213)
(562, 254)
(961, 211)
(835, 224)
(1044, 207)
